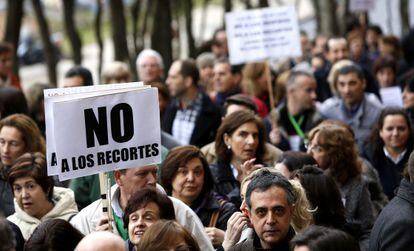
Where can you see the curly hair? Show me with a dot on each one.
(339, 144)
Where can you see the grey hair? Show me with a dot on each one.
(291, 81)
(149, 52)
(266, 179)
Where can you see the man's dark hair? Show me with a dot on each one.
(239, 99)
(189, 69)
(82, 72)
(54, 234)
(375, 28)
(235, 69)
(265, 180)
(350, 69)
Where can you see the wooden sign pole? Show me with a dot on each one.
(269, 85)
(106, 197)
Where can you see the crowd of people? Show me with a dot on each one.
(320, 161)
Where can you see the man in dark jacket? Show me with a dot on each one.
(394, 227)
(270, 200)
(191, 118)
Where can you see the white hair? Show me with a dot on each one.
(149, 52)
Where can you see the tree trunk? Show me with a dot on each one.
(405, 21)
(188, 7)
(47, 44)
(329, 24)
(342, 15)
(248, 4)
(118, 26)
(71, 30)
(135, 11)
(203, 20)
(161, 34)
(98, 34)
(12, 31)
(318, 16)
(227, 5)
(263, 3)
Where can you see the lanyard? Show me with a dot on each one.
(296, 125)
(120, 227)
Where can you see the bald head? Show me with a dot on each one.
(101, 241)
(410, 167)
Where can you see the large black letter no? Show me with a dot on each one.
(96, 127)
(128, 123)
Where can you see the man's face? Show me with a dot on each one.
(351, 88)
(73, 81)
(337, 50)
(6, 63)
(149, 70)
(224, 81)
(138, 178)
(270, 214)
(304, 93)
(12, 145)
(175, 80)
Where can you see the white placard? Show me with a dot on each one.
(391, 96)
(256, 35)
(67, 93)
(361, 5)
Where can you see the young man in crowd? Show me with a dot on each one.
(191, 117)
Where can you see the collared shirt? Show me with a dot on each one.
(234, 171)
(185, 119)
(397, 159)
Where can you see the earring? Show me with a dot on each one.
(229, 147)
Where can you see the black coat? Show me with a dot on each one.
(225, 184)
(208, 204)
(207, 122)
(394, 227)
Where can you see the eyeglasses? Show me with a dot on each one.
(314, 148)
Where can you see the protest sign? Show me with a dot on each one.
(68, 93)
(256, 35)
(102, 131)
(391, 96)
(361, 5)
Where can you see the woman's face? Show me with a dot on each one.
(243, 190)
(188, 181)
(12, 144)
(243, 142)
(318, 152)
(395, 132)
(385, 77)
(141, 220)
(30, 197)
(408, 98)
(178, 245)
